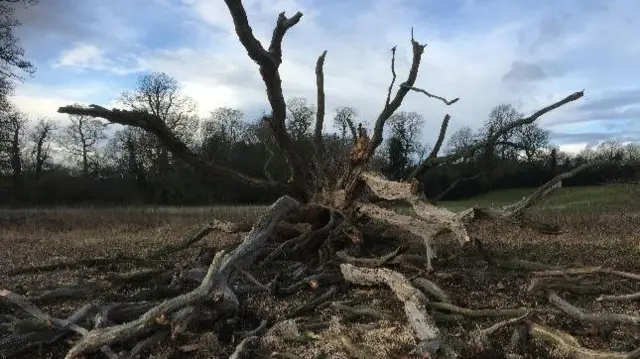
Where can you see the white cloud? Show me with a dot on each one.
(89, 57)
(81, 55)
(573, 148)
(466, 63)
(41, 101)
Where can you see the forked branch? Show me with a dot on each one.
(392, 106)
(269, 62)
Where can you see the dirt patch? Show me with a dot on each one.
(610, 239)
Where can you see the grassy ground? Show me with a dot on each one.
(582, 198)
(603, 225)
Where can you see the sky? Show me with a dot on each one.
(527, 53)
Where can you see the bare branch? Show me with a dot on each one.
(619, 298)
(429, 287)
(269, 62)
(393, 72)
(443, 132)
(282, 25)
(244, 347)
(320, 105)
(468, 151)
(453, 185)
(376, 138)
(518, 208)
(587, 270)
(446, 102)
(570, 345)
(600, 318)
(214, 285)
(155, 125)
(254, 48)
(414, 301)
(479, 313)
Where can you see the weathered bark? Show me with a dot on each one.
(414, 301)
(571, 346)
(153, 124)
(214, 285)
(580, 315)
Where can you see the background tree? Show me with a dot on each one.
(81, 138)
(460, 140)
(299, 118)
(403, 143)
(160, 94)
(505, 146)
(345, 119)
(40, 137)
(12, 61)
(531, 139)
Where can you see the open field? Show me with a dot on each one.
(602, 224)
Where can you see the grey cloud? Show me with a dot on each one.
(58, 18)
(523, 71)
(619, 106)
(594, 138)
(527, 71)
(612, 99)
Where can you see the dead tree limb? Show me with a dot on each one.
(587, 270)
(393, 191)
(517, 209)
(446, 102)
(479, 313)
(25, 305)
(153, 124)
(600, 318)
(16, 343)
(269, 62)
(214, 285)
(393, 79)
(432, 289)
(619, 298)
(441, 135)
(453, 185)
(199, 234)
(433, 162)
(243, 348)
(367, 262)
(393, 105)
(320, 104)
(105, 336)
(414, 301)
(569, 344)
(480, 337)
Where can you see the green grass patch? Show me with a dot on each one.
(588, 197)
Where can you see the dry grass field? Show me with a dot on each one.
(602, 229)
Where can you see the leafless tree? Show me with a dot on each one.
(40, 136)
(81, 138)
(335, 203)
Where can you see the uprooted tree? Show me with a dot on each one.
(347, 219)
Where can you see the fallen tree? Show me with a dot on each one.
(343, 226)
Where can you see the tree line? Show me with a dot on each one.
(45, 162)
